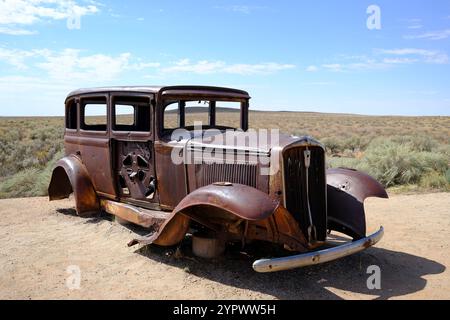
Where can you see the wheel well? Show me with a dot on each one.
(60, 186)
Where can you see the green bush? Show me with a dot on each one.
(401, 161)
(434, 180)
(29, 182)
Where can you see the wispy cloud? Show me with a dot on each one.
(318, 83)
(16, 57)
(399, 60)
(432, 35)
(415, 26)
(354, 63)
(73, 64)
(243, 9)
(16, 31)
(14, 14)
(76, 64)
(413, 23)
(311, 68)
(382, 59)
(209, 67)
(416, 55)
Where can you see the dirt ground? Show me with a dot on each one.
(41, 240)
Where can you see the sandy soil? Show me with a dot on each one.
(40, 240)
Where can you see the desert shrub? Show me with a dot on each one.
(417, 143)
(30, 181)
(435, 180)
(401, 161)
(342, 162)
(332, 144)
(396, 163)
(28, 143)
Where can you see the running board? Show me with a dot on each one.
(143, 217)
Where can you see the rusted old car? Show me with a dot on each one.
(126, 155)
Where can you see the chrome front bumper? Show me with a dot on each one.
(316, 257)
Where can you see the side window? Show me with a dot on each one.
(131, 114)
(124, 115)
(197, 111)
(71, 114)
(228, 114)
(93, 114)
(171, 116)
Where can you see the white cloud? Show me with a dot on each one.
(432, 35)
(72, 64)
(201, 67)
(16, 57)
(412, 20)
(209, 67)
(357, 65)
(16, 31)
(385, 59)
(318, 83)
(414, 23)
(399, 60)
(15, 13)
(69, 64)
(262, 68)
(312, 68)
(415, 26)
(244, 9)
(419, 55)
(336, 67)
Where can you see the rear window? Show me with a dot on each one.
(71, 114)
(131, 114)
(94, 114)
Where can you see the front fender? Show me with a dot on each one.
(346, 191)
(239, 200)
(212, 205)
(70, 175)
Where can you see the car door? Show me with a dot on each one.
(133, 149)
(93, 142)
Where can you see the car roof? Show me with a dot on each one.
(182, 89)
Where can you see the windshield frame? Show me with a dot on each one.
(211, 106)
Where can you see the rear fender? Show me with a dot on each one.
(346, 191)
(70, 175)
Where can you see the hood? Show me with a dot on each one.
(259, 141)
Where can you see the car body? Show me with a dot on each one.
(174, 178)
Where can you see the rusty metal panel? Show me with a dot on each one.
(346, 191)
(140, 216)
(171, 178)
(241, 200)
(70, 175)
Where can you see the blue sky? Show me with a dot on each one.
(290, 55)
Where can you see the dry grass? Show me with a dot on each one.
(418, 147)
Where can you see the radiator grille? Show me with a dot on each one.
(208, 173)
(295, 188)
